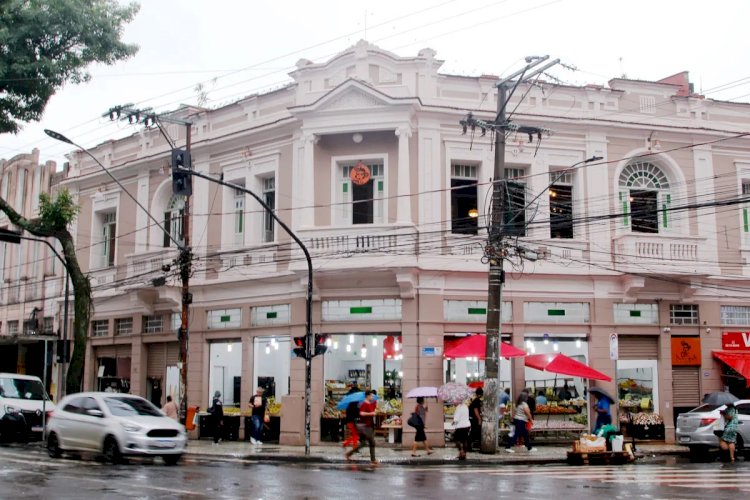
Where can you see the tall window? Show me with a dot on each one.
(644, 198)
(514, 214)
(746, 212)
(363, 204)
(239, 216)
(109, 235)
(561, 205)
(21, 190)
(464, 204)
(173, 219)
(269, 197)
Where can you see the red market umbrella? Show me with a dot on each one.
(475, 346)
(564, 365)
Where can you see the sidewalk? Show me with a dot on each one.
(329, 453)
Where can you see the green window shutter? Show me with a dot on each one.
(666, 200)
(380, 186)
(625, 207)
(745, 224)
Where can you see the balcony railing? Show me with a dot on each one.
(359, 239)
(146, 262)
(663, 253)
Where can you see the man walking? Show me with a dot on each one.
(258, 404)
(170, 409)
(366, 425)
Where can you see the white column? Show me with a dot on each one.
(307, 180)
(141, 218)
(403, 191)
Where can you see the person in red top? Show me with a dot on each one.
(366, 425)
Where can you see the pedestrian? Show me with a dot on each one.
(728, 438)
(258, 404)
(531, 401)
(603, 415)
(366, 426)
(505, 397)
(352, 419)
(541, 399)
(421, 437)
(475, 417)
(521, 418)
(217, 416)
(462, 426)
(170, 409)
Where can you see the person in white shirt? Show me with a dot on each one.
(462, 425)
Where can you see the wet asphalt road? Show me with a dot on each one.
(29, 473)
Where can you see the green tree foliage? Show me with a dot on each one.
(46, 43)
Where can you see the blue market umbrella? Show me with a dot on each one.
(355, 397)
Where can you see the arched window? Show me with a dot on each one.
(644, 197)
(173, 219)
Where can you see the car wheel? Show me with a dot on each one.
(111, 451)
(171, 459)
(53, 446)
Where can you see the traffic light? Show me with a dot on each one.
(63, 351)
(182, 182)
(320, 344)
(300, 346)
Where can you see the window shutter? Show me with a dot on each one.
(625, 207)
(167, 226)
(665, 200)
(346, 207)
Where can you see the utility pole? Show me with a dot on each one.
(180, 158)
(495, 250)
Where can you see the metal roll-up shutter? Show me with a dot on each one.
(686, 386)
(123, 351)
(106, 351)
(156, 358)
(173, 353)
(638, 347)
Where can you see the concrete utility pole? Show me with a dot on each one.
(495, 250)
(184, 261)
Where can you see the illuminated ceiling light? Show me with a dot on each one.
(335, 344)
(357, 138)
(268, 349)
(473, 213)
(396, 346)
(329, 342)
(533, 348)
(555, 347)
(229, 347)
(364, 352)
(476, 374)
(453, 376)
(400, 374)
(578, 343)
(275, 346)
(348, 348)
(374, 341)
(351, 338)
(546, 339)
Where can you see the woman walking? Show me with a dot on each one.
(462, 425)
(728, 438)
(521, 417)
(421, 437)
(217, 416)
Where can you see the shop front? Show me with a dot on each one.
(225, 377)
(271, 371)
(686, 365)
(638, 386)
(113, 368)
(359, 362)
(734, 359)
(162, 372)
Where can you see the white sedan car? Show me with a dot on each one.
(114, 425)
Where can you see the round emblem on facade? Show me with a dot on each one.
(360, 174)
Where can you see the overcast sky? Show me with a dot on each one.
(239, 47)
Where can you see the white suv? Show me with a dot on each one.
(23, 402)
(114, 425)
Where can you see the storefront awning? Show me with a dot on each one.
(738, 361)
(475, 346)
(564, 365)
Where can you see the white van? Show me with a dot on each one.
(22, 401)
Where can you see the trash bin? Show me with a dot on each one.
(191, 417)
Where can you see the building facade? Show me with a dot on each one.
(31, 277)
(364, 158)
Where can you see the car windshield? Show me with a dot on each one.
(20, 388)
(130, 407)
(704, 409)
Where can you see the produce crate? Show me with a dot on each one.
(647, 432)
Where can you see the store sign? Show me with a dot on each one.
(614, 346)
(735, 341)
(431, 352)
(686, 351)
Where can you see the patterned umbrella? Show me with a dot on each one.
(454, 393)
(422, 392)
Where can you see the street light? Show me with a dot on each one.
(15, 238)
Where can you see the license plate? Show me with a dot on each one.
(37, 428)
(165, 444)
(684, 439)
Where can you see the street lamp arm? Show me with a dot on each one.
(58, 136)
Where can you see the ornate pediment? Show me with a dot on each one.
(353, 98)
